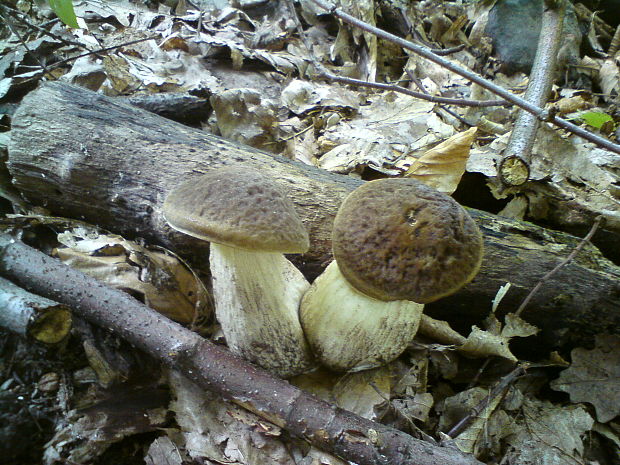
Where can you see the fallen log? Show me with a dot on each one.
(212, 367)
(87, 156)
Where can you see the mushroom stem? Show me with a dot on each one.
(257, 296)
(350, 331)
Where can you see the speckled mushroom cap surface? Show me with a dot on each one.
(397, 239)
(238, 207)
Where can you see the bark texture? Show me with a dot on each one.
(32, 315)
(87, 156)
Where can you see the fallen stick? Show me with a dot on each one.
(324, 425)
(86, 156)
(424, 52)
(32, 315)
(514, 167)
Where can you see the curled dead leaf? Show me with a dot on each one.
(443, 166)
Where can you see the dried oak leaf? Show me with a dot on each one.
(594, 377)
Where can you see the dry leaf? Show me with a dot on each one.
(482, 344)
(417, 407)
(439, 331)
(415, 379)
(361, 392)
(358, 392)
(163, 451)
(469, 440)
(246, 116)
(302, 97)
(379, 135)
(479, 343)
(516, 208)
(594, 377)
(548, 434)
(219, 431)
(161, 280)
(443, 166)
(609, 78)
(515, 326)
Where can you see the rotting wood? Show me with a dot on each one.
(324, 425)
(86, 156)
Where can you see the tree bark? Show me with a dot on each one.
(87, 156)
(324, 425)
(32, 315)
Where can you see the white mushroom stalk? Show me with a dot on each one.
(257, 297)
(396, 242)
(257, 291)
(350, 331)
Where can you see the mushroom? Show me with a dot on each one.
(250, 224)
(397, 244)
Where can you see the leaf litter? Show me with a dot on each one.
(256, 68)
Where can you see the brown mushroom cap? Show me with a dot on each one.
(238, 207)
(397, 239)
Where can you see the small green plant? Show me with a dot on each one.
(595, 119)
(64, 11)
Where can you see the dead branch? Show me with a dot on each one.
(514, 168)
(322, 424)
(86, 156)
(424, 52)
(559, 266)
(31, 315)
(422, 96)
(498, 390)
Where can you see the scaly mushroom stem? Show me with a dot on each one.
(257, 296)
(350, 331)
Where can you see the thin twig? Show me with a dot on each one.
(22, 41)
(420, 86)
(474, 381)
(24, 19)
(540, 113)
(498, 390)
(100, 50)
(93, 52)
(571, 256)
(447, 51)
(412, 93)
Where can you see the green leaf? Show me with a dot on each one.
(64, 11)
(596, 119)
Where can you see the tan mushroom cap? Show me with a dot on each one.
(239, 207)
(397, 239)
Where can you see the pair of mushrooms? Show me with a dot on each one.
(397, 244)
